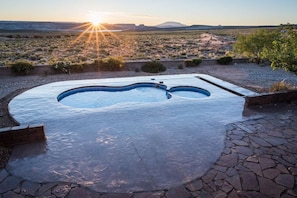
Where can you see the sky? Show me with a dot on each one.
(153, 12)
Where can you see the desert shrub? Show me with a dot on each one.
(21, 67)
(283, 52)
(61, 67)
(96, 62)
(197, 61)
(110, 64)
(225, 60)
(180, 66)
(252, 45)
(189, 63)
(137, 70)
(83, 58)
(67, 67)
(77, 67)
(281, 86)
(153, 67)
(193, 63)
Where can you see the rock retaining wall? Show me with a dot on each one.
(271, 98)
(23, 134)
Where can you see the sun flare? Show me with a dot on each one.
(95, 18)
(93, 33)
(95, 21)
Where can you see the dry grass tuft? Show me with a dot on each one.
(281, 86)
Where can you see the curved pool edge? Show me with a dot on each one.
(126, 88)
(108, 88)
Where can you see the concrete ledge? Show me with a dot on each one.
(271, 98)
(23, 134)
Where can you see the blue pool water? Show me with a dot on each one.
(102, 96)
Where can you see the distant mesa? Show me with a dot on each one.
(80, 27)
(171, 24)
(57, 26)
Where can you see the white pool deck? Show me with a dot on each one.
(125, 147)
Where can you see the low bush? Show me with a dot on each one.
(193, 63)
(110, 64)
(137, 70)
(197, 61)
(153, 67)
(281, 86)
(61, 67)
(189, 63)
(180, 66)
(66, 67)
(21, 68)
(225, 60)
(77, 67)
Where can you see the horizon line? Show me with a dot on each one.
(139, 24)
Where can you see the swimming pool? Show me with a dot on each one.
(126, 145)
(102, 96)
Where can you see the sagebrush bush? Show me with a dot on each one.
(110, 64)
(197, 61)
(61, 67)
(77, 67)
(193, 63)
(225, 60)
(21, 67)
(153, 67)
(281, 86)
(137, 69)
(180, 66)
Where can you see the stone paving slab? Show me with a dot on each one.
(259, 160)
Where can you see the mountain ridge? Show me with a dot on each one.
(171, 24)
(79, 27)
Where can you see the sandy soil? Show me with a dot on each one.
(45, 49)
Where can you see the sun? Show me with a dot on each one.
(94, 31)
(95, 21)
(95, 18)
